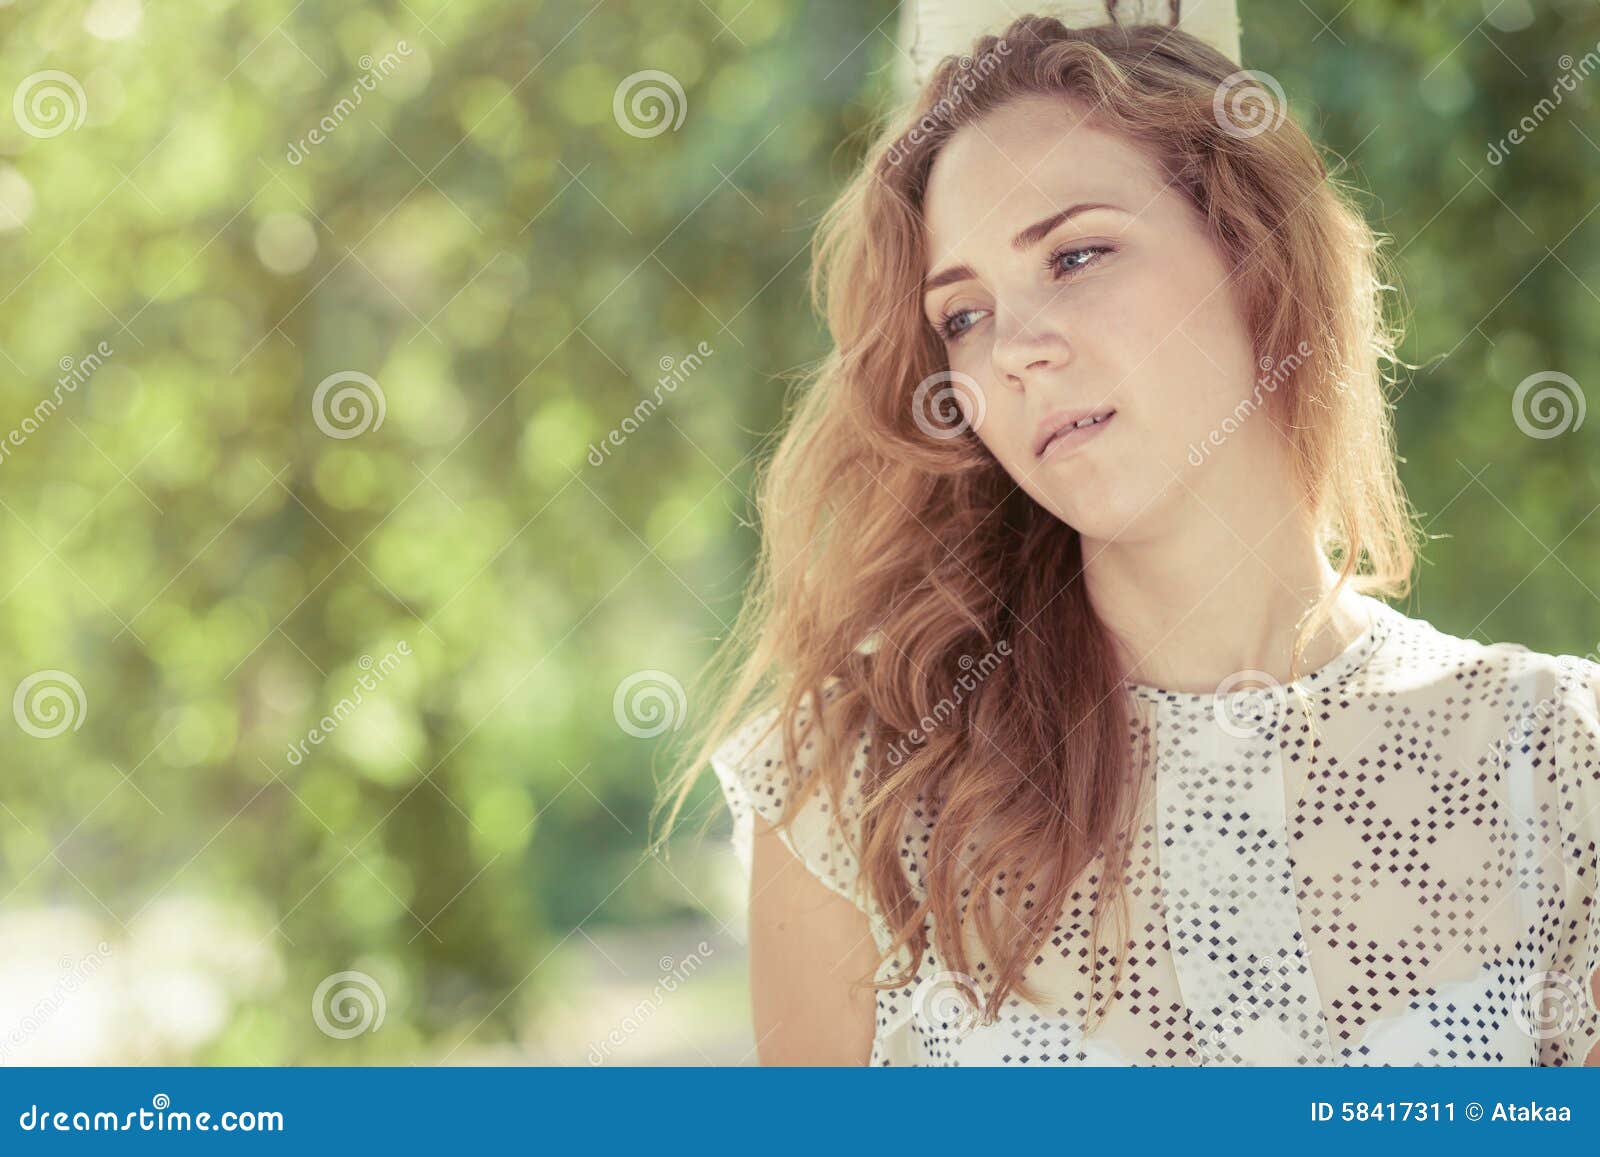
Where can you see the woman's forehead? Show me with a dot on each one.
(991, 180)
(1031, 144)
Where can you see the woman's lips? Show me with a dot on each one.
(1069, 439)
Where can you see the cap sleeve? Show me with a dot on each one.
(1573, 1014)
(756, 780)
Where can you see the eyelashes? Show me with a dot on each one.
(946, 326)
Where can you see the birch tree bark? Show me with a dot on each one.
(932, 29)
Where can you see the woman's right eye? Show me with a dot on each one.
(949, 326)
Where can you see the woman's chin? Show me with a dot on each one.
(1099, 508)
(1099, 523)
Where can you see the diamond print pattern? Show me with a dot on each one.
(1396, 865)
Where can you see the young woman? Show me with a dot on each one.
(1066, 726)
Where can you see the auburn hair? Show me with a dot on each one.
(891, 557)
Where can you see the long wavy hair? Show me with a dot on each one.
(892, 556)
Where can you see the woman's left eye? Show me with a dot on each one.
(1068, 259)
(1074, 258)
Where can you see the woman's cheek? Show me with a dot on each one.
(998, 435)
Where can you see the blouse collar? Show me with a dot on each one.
(1325, 679)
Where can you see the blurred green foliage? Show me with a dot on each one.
(481, 237)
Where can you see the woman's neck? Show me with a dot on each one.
(1215, 598)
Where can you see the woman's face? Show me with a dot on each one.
(1122, 308)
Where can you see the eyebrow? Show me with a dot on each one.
(1023, 241)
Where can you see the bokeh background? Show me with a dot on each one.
(323, 582)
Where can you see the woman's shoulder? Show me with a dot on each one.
(756, 750)
(819, 808)
(1533, 713)
(1418, 655)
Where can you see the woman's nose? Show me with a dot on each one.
(1027, 345)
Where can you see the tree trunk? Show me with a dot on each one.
(933, 29)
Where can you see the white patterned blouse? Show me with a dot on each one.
(1392, 861)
